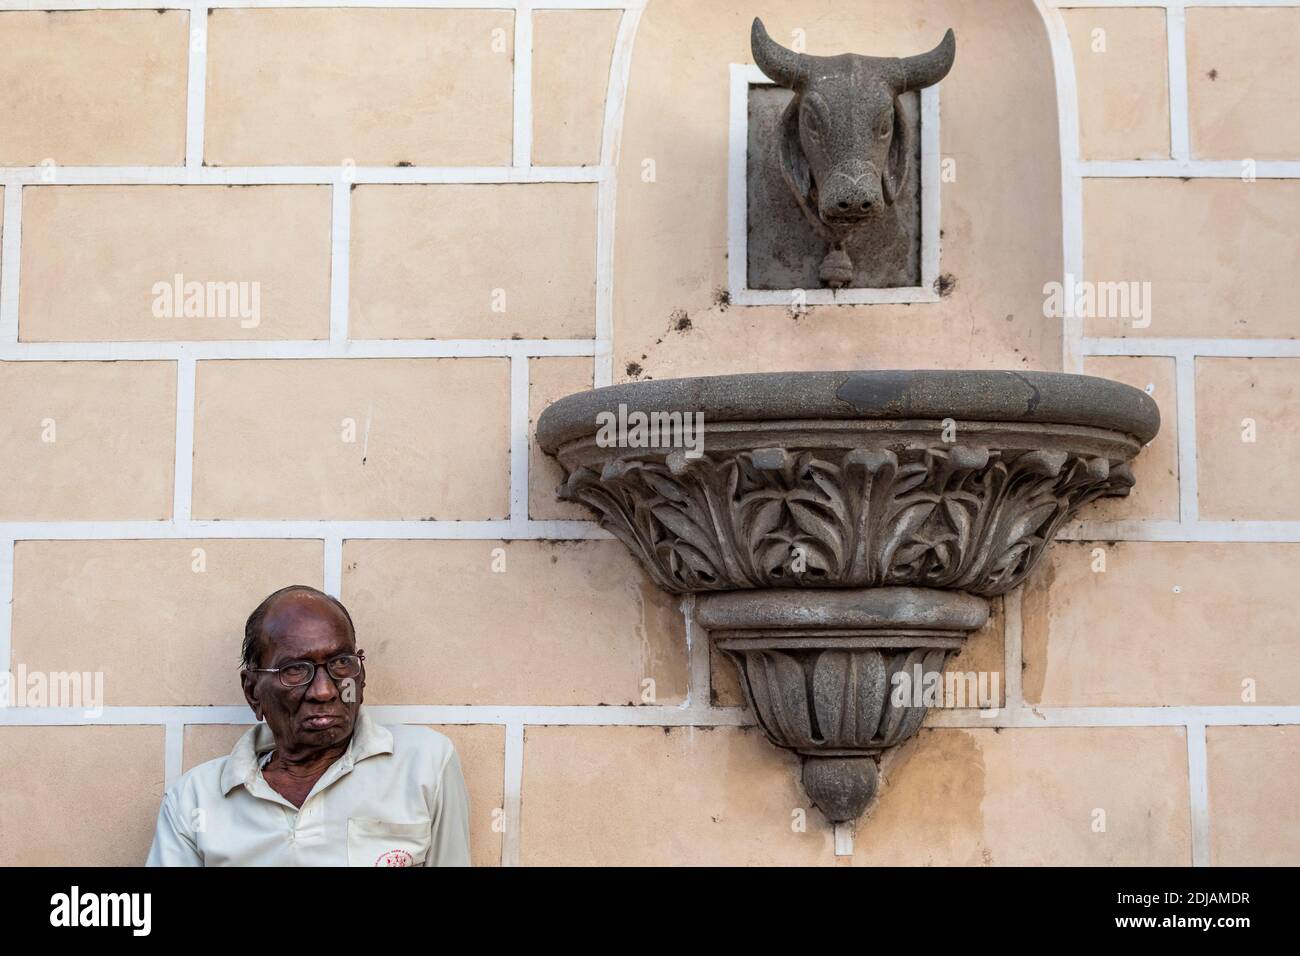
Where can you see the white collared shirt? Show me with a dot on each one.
(395, 798)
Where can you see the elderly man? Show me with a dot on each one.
(318, 783)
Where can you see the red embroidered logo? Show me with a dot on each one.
(395, 858)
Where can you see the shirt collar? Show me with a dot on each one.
(368, 740)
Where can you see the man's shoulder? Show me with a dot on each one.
(197, 782)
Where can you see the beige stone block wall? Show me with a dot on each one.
(1156, 494)
(1241, 72)
(962, 797)
(457, 217)
(551, 379)
(374, 87)
(526, 270)
(340, 438)
(1181, 594)
(1146, 624)
(571, 57)
(95, 256)
(1121, 68)
(1212, 249)
(1247, 439)
(93, 87)
(1098, 796)
(79, 796)
(86, 441)
(1254, 775)
(513, 622)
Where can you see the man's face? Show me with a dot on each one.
(317, 715)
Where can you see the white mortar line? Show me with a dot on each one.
(303, 4)
(567, 530)
(309, 349)
(1013, 630)
(1198, 785)
(196, 93)
(592, 715)
(1190, 348)
(1185, 381)
(522, 141)
(1067, 109)
(588, 4)
(583, 715)
(737, 201)
(931, 204)
(398, 530)
(498, 530)
(1192, 168)
(513, 785)
(6, 603)
(183, 471)
(637, 5)
(1103, 4)
(518, 440)
(333, 565)
(699, 681)
(297, 175)
(10, 258)
(1031, 716)
(20, 5)
(1176, 32)
(173, 751)
(611, 141)
(340, 261)
(844, 833)
(1139, 530)
(899, 295)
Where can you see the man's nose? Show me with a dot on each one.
(322, 686)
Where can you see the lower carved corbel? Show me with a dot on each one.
(832, 674)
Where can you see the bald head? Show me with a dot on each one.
(286, 609)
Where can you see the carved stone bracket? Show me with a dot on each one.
(843, 528)
(956, 516)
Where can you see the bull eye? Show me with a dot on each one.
(886, 127)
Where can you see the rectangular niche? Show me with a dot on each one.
(772, 278)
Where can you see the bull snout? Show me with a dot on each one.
(850, 193)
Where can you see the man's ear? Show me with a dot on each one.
(248, 681)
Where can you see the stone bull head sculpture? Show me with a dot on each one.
(844, 146)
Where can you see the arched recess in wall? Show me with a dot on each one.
(1000, 196)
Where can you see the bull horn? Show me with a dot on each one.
(927, 69)
(782, 66)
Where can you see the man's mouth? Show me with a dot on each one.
(321, 722)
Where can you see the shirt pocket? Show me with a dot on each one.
(380, 843)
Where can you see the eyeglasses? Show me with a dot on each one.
(300, 673)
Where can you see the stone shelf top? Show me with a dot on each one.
(1055, 398)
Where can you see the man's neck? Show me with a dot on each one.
(292, 775)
